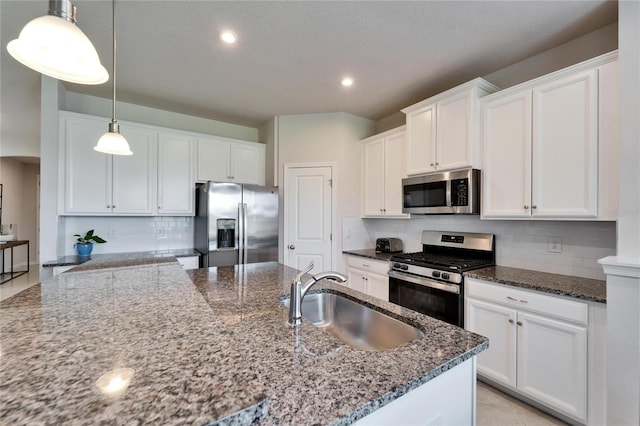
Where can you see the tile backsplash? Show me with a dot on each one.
(128, 234)
(519, 244)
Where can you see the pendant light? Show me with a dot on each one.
(113, 142)
(55, 46)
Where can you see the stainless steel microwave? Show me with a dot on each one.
(452, 192)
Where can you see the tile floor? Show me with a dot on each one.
(20, 283)
(495, 408)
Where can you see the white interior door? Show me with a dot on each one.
(308, 210)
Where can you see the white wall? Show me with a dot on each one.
(623, 279)
(101, 107)
(519, 244)
(129, 234)
(19, 205)
(330, 137)
(588, 46)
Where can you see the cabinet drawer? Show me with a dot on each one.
(528, 300)
(369, 265)
(189, 262)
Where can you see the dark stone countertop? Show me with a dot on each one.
(370, 254)
(112, 260)
(564, 285)
(220, 350)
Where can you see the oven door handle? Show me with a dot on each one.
(450, 288)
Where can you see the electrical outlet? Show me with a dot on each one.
(554, 244)
(160, 232)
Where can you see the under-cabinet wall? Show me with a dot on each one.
(519, 244)
(127, 234)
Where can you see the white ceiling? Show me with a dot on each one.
(291, 56)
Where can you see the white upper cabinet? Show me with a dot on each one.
(157, 180)
(547, 146)
(176, 174)
(94, 183)
(442, 130)
(383, 167)
(565, 147)
(228, 160)
(134, 176)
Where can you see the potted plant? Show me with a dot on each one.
(84, 244)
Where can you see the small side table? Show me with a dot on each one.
(11, 274)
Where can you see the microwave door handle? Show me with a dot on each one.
(448, 192)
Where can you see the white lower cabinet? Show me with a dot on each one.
(189, 262)
(538, 344)
(368, 276)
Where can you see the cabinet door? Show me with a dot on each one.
(394, 170)
(498, 324)
(506, 140)
(247, 163)
(373, 182)
(421, 141)
(86, 172)
(357, 280)
(134, 176)
(175, 174)
(552, 363)
(565, 147)
(454, 148)
(213, 160)
(378, 286)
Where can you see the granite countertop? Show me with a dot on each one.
(110, 260)
(371, 254)
(564, 285)
(220, 350)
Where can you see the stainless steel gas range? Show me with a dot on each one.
(431, 281)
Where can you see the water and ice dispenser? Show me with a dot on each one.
(226, 233)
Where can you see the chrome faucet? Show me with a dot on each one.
(299, 290)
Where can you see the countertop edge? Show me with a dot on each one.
(482, 274)
(400, 391)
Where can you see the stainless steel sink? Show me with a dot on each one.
(355, 324)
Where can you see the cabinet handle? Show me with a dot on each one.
(108, 206)
(510, 321)
(534, 207)
(437, 164)
(113, 206)
(292, 247)
(526, 207)
(516, 300)
(384, 210)
(431, 164)
(519, 323)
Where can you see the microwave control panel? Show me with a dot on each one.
(460, 192)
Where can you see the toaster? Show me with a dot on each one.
(389, 245)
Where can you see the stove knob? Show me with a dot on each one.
(445, 276)
(397, 265)
(435, 274)
(404, 267)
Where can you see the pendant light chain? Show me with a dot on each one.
(113, 9)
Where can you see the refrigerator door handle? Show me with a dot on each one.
(241, 217)
(245, 235)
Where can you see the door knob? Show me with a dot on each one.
(292, 247)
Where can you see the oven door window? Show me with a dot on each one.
(436, 303)
(431, 194)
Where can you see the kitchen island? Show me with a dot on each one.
(217, 351)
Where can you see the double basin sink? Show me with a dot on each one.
(355, 324)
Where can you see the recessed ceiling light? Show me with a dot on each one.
(347, 82)
(228, 36)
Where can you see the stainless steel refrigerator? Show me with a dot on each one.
(236, 223)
